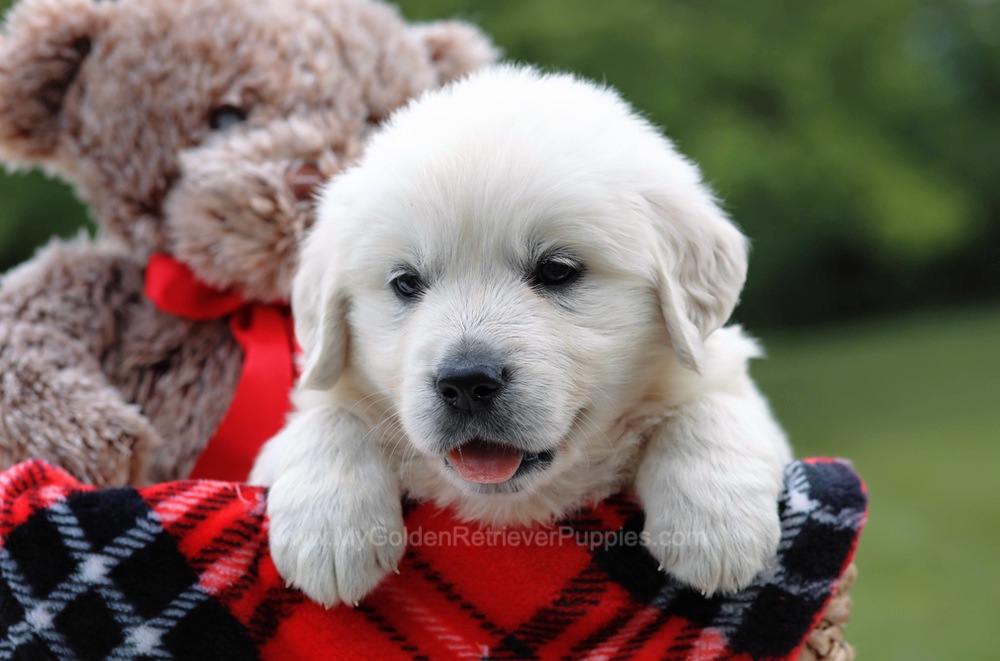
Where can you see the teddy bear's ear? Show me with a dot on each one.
(42, 47)
(456, 48)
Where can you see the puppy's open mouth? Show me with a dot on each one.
(482, 462)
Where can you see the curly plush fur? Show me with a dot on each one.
(120, 100)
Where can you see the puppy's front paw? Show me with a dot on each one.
(335, 546)
(715, 552)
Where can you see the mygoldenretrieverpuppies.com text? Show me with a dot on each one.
(473, 536)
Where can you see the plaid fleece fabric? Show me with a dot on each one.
(181, 570)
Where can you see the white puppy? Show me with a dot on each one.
(513, 306)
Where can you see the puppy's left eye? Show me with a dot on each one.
(407, 285)
(554, 272)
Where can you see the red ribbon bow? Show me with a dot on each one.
(265, 334)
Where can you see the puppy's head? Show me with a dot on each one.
(514, 271)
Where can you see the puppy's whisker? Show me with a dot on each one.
(589, 422)
(374, 430)
(381, 399)
(409, 456)
(585, 417)
(399, 435)
(363, 400)
(600, 391)
(391, 438)
(399, 440)
(409, 452)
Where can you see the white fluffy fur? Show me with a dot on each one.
(628, 373)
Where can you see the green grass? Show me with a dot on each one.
(915, 403)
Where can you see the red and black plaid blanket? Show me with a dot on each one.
(182, 570)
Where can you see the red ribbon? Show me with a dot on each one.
(265, 334)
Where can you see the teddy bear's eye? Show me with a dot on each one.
(226, 116)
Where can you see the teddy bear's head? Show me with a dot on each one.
(200, 128)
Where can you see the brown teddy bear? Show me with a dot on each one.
(196, 130)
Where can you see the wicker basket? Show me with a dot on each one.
(827, 639)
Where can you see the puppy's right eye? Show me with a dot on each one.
(557, 271)
(407, 285)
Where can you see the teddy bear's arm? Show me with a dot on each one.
(59, 314)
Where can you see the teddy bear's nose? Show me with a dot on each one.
(304, 180)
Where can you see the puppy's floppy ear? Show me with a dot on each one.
(456, 48)
(320, 305)
(701, 266)
(43, 46)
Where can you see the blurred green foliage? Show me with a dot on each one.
(857, 143)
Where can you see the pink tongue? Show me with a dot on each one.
(485, 463)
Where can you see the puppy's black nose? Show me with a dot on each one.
(469, 386)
